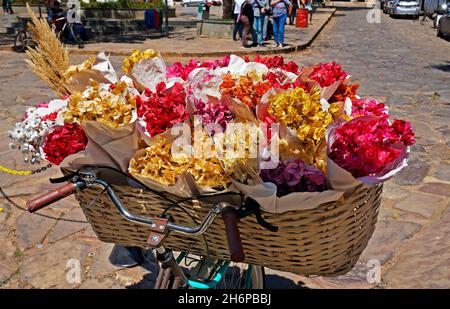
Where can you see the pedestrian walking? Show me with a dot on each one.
(280, 9)
(295, 5)
(237, 25)
(7, 7)
(246, 18)
(260, 8)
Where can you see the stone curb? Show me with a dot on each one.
(288, 49)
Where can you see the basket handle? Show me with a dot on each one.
(51, 197)
(233, 236)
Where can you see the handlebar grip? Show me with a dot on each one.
(51, 197)
(233, 236)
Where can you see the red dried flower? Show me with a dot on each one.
(213, 113)
(369, 145)
(276, 62)
(64, 141)
(178, 70)
(163, 108)
(328, 73)
(368, 107)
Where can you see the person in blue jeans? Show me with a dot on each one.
(279, 13)
(266, 23)
(260, 8)
(237, 24)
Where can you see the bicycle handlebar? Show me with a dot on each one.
(53, 196)
(228, 214)
(233, 236)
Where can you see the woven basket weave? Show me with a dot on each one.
(325, 241)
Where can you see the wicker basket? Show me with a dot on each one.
(325, 241)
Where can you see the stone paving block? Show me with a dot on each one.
(102, 266)
(424, 261)
(421, 204)
(6, 212)
(31, 229)
(414, 173)
(387, 239)
(49, 268)
(443, 172)
(355, 279)
(441, 151)
(4, 231)
(394, 191)
(438, 188)
(8, 250)
(63, 229)
(104, 283)
(8, 267)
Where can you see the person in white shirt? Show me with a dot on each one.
(237, 25)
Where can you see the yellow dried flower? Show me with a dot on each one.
(240, 160)
(315, 157)
(158, 163)
(113, 105)
(302, 112)
(137, 56)
(73, 69)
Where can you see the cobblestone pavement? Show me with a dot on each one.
(398, 60)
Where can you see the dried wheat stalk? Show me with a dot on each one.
(50, 59)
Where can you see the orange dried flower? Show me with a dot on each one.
(345, 91)
(244, 89)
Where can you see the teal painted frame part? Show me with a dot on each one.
(214, 282)
(218, 277)
(248, 277)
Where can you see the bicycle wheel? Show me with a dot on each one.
(20, 41)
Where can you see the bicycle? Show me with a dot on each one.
(24, 38)
(206, 273)
(67, 30)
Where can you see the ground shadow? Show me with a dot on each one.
(442, 67)
(232, 278)
(277, 282)
(410, 17)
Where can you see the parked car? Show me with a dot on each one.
(405, 8)
(192, 2)
(443, 28)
